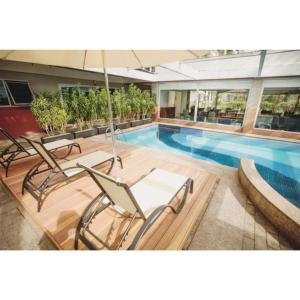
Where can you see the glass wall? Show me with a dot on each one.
(280, 110)
(212, 106)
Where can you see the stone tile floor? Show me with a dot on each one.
(17, 230)
(231, 222)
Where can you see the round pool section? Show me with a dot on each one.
(278, 162)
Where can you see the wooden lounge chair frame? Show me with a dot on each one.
(13, 151)
(49, 163)
(103, 201)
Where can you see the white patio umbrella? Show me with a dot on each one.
(82, 59)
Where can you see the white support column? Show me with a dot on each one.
(196, 106)
(253, 103)
(158, 99)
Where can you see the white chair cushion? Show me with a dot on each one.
(58, 144)
(157, 188)
(89, 160)
(52, 145)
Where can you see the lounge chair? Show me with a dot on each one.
(147, 199)
(16, 151)
(67, 170)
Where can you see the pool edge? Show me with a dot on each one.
(277, 209)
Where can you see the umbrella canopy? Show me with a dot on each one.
(94, 58)
(82, 59)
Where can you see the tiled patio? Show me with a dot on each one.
(17, 230)
(230, 222)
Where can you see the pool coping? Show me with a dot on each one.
(230, 132)
(277, 209)
(197, 128)
(274, 138)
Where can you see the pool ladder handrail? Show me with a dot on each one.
(117, 132)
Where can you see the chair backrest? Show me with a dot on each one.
(44, 153)
(118, 192)
(12, 139)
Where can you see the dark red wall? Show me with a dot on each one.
(18, 121)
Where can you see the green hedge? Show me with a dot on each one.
(83, 108)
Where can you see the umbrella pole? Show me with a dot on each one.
(111, 125)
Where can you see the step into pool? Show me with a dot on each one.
(278, 162)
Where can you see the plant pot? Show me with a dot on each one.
(147, 121)
(136, 123)
(123, 125)
(85, 133)
(102, 129)
(48, 139)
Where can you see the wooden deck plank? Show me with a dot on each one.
(65, 203)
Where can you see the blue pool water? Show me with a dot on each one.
(278, 162)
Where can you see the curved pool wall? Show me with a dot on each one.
(278, 162)
(281, 213)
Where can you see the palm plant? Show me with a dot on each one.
(124, 105)
(150, 105)
(49, 111)
(90, 111)
(102, 105)
(144, 102)
(117, 104)
(75, 106)
(134, 95)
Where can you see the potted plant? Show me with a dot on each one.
(149, 106)
(82, 108)
(102, 110)
(51, 115)
(134, 99)
(119, 105)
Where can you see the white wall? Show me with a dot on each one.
(206, 84)
(40, 82)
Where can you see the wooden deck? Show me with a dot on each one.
(65, 202)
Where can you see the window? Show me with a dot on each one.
(212, 106)
(4, 100)
(19, 91)
(67, 90)
(280, 110)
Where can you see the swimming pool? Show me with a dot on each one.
(278, 162)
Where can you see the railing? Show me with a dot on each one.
(118, 132)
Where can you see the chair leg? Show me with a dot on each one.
(30, 174)
(111, 166)
(147, 224)
(8, 162)
(77, 233)
(188, 188)
(191, 186)
(92, 210)
(6, 169)
(42, 189)
(120, 161)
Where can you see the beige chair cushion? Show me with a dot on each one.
(52, 145)
(157, 188)
(117, 193)
(89, 160)
(31, 151)
(58, 144)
